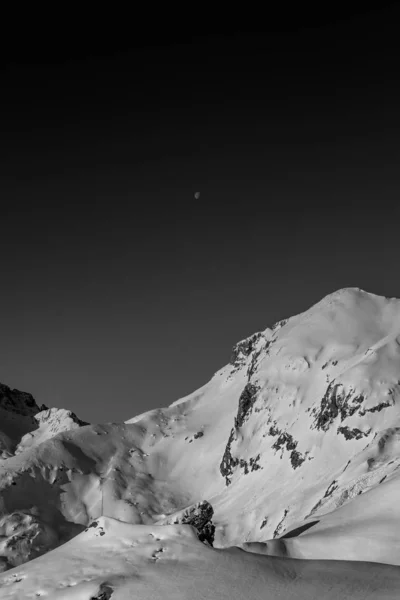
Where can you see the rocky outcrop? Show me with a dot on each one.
(18, 402)
(353, 434)
(336, 402)
(105, 592)
(263, 351)
(280, 525)
(376, 408)
(199, 516)
(229, 462)
(17, 417)
(242, 350)
(296, 459)
(286, 441)
(26, 536)
(329, 491)
(246, 401)
(251, 465)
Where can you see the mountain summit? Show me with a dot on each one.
(290, 451)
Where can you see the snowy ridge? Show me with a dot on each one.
(290, 450)
(50, 422)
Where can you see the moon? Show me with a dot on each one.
(197, 195)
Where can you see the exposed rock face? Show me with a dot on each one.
(246, 401)
(280, 526)
(198, 515)
(229, 462)
(376, 408)
(242, 350)
(17, 417)
(334, 403)
(105, 592)
(18, 402)
(296, 459)
(351, 434)
(27, 537)
(286, 440)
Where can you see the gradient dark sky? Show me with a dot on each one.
(119, 291)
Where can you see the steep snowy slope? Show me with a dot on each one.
(283, 452)
(316, 423)
(363, 529)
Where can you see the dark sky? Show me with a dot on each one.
(120, 291)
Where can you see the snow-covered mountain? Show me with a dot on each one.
(291, 451)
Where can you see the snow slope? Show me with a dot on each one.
(121, 561)
(291, 451)
(49, 422)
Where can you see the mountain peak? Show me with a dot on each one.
(17, 401)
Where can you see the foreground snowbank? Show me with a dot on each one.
(120, 561)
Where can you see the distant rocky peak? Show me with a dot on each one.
(18, 402)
